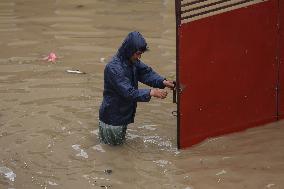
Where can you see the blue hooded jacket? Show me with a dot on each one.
(121, 77)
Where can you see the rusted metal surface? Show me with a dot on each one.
(227, 71)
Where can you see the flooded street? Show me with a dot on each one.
(49, 117)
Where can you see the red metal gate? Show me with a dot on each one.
(227, 70)
(281, 64)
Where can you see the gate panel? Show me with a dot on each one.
(281, 66)
(226, 71)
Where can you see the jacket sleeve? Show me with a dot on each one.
(123, 87)
(149, 77)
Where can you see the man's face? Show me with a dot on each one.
(136, 56)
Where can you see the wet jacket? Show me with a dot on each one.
(121, 77)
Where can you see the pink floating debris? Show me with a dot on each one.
(51, 57)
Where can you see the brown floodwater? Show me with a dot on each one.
(49, 117)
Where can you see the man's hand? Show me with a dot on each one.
(169, 84)
(159, 93)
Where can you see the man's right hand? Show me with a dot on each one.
(159, 93)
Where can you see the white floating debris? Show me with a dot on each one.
(149, 127)
(86, 176)
(221, 172)
(188, 187)
(270, 185)
(176, 151)
(186, 177)
(99, 148)
(52, 183)
(75, 71)
(8, 173)
(82, 152)
(102, 60)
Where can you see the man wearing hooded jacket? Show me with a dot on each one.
(121, 93)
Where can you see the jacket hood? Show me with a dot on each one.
(133, 42)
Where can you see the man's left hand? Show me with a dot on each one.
(169, 84)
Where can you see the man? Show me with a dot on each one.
(121, 93)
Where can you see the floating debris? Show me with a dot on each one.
(270, 185)
(221, 172)
(188, 187)
(99, 148)
(108, 171)
(51, 57)
(8, 173)
(104, 186)
(52, 183)
(102, 60)
(149, 127)
(186, 177)
(82, 152)
(75, 71)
